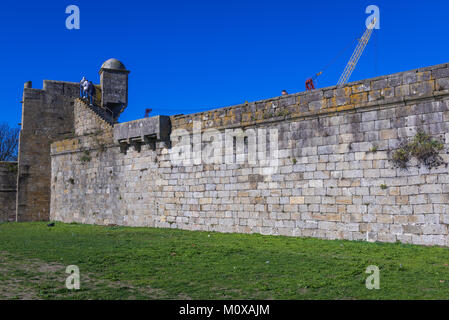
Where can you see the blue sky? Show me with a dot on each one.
(189, 56)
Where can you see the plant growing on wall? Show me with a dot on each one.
(85, 157)
(423, 148)
(267, 115)
(283, 113)
(12, 167)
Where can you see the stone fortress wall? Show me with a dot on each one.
(8, 188)
(47, 116)
(333, 177)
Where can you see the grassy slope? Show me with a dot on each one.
(205, 265)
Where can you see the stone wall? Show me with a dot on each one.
(8, 183)
(47, 116)
(333, 177)
(86, 121)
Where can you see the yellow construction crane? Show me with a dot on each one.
(362, 42)
(357, 53)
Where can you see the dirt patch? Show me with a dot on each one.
(32, 279)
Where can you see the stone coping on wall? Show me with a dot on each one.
(440, 74)
(8, 164)
(64, 88)
(398, 88)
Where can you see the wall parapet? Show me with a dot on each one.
(399, 88)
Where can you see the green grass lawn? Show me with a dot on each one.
(150, 263)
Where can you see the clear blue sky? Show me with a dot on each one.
(189, 56)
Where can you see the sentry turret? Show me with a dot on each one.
(114, 86)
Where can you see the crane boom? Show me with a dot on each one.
(357, 54)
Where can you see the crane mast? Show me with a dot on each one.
(357, 54)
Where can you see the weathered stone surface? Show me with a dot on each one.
(50, 115)
(114, 84)
(333, 177)
(158, 127)
(47, 116)
(8, 185)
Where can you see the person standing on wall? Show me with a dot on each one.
(82, 87)
(85, 88)
(91, 92)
